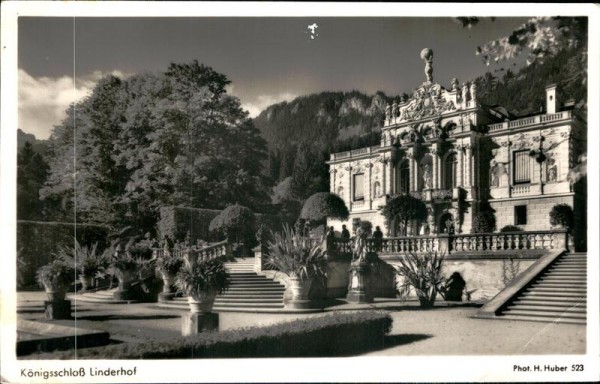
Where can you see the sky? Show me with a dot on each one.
(268, 60)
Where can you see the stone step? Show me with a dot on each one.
(252, 296)
(576, 274)
(549, 314)
(552, 299)
(256, 284)
(559, 284)
(226, 299)
(542, 319)
(247, 305)
(545, 308)
(563, 280)
(558, 289)
(557, 294)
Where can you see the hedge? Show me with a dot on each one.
(337, 334)
(175, 222)
(37, 241)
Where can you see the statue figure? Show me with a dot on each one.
(395, 109)
(455, 85)
(359, 252)
(427, 56)
(494, 177)
(473, 91)
(403, 97)
(388, 112)
(427, 176)
(465, 92)
(552, 170)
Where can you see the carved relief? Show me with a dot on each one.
(551, 170)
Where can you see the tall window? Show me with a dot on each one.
(450, 171)
(359, 186)
(404, 177)
(521, 161)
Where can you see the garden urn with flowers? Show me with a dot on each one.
(56, 277)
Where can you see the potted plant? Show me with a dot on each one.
(89, 264)
(124, 267)
(298, 257)
(421, 273)
(201, 281)
(56, 277)
(167, 266)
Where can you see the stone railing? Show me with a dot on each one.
(355, 153)
(457, 243)
(209, 252)
(508, 241)
(539, 119)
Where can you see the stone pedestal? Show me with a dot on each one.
(57, 309)
(195, 323)
(164, 296)
(358, 291)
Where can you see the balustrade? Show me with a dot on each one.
(209, 252)
(457, 243)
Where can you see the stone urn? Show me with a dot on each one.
(300, 288)
(125, 278)
(202, 303)
(86, 282)
(168, 281)
(55, 293)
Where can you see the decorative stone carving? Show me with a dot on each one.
(552, 170)
(427, 176)
(465, 92)
(454, 85)
(473, 91)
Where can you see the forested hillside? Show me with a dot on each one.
(524, 92)
(302, 133)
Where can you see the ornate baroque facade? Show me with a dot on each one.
(459, 157)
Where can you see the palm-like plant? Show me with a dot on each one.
(56, 277)
(421, 272)
(198, 279)
(296, 255)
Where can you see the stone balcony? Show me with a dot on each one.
(529, 121)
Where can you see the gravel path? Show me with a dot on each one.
(439, 331)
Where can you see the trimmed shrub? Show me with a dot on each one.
(562, 215)
(338, 334)
(177, 222)
(236, 223)
(404, 208)
(511, 228)
(322, 205)
(484, 222)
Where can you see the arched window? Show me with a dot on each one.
(450, 171)
(404, 182)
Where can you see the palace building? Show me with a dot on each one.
(461, 157)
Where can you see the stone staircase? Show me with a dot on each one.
(248, 291)
(556, 295)
(100, 296)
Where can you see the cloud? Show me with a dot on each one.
(43, 101)
(263, 101)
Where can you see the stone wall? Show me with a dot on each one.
(484, 275)
(538, 210)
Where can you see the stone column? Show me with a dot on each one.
(468, 165)
(434, 166)
(369, 189)
(411, 164)
(332, 171)
(460, 166)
